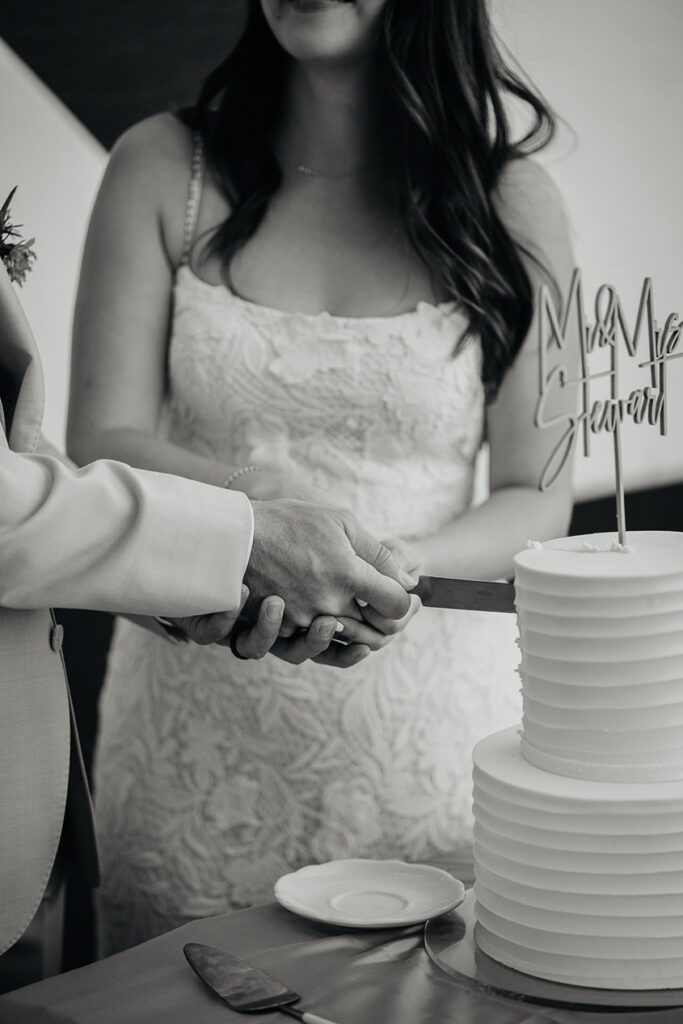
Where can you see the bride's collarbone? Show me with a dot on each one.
(302, 262)
(327, 285)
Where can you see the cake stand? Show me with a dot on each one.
(450, 944)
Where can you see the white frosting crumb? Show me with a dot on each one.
(589, 547)
(534, 545)
(624, 549)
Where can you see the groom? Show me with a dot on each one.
(129, 541)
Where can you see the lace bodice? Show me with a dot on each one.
(373, 409)
(216, 776)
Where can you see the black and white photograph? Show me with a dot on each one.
(341, 511)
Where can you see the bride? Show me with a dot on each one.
(319, 283)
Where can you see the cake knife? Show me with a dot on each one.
(243, 987)
(475, 595)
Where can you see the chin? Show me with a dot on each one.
(324, 30)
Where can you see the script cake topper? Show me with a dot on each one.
(609, 331)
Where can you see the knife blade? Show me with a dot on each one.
(475, 595)
(244, 988)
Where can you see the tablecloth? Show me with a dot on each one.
(352, 977)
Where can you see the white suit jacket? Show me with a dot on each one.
(104, 537)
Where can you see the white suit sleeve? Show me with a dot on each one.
(119, 539)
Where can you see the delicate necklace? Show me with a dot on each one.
(303, 169)
(310, 172)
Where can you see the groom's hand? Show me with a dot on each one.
(250, 641)
(212, 627)
(256, 638)
(321, 562)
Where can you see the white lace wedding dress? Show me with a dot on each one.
(215, 776)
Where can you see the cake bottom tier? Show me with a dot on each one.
(577, 882)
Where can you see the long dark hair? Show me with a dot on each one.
(444, 79)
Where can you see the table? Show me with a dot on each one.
(352, 977)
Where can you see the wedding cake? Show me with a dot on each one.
(579, 816)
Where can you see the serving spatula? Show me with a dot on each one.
(243, 987)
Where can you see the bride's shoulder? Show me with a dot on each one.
(157, 150)
(531, 206)
(147, 175)
(526, 190)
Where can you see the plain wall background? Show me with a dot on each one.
(57, 166)
(611, 68)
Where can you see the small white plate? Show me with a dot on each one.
(369, 893)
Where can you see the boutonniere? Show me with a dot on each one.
(15, 252)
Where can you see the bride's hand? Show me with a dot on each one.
(374, 630)
(338, 641)
(314, 644)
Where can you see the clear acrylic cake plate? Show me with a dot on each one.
(450, 944)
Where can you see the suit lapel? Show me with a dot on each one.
(22, 390)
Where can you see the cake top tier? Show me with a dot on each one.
(648, 555)
(601, 638)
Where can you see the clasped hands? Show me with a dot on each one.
(314, 576)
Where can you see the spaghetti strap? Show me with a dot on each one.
(194, 193)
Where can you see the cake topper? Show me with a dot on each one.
(610, 330)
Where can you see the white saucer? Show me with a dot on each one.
(369, 893)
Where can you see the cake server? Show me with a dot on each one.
(475, 595)
(243, 987)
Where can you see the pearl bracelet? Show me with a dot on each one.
(237, 473)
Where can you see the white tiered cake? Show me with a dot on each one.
(579, 827)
